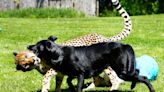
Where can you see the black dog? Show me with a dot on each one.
(89, 61)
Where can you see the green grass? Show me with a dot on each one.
(41, 13)
(147, 37)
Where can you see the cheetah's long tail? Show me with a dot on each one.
(127, 22)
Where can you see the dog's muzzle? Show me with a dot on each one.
(37, 61)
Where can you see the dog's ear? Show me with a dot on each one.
(15, 53)
(52, 47)
(52, 38)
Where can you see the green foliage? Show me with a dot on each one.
(141, 7)
(41, 13)
(146, 37)
(136, 7)
(106, 12)
(155, 6)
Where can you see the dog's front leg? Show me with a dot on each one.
(80, 82)
(59, 79)
(69, 81)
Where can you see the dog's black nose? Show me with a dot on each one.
(30, 47)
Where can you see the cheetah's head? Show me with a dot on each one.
(26, 60)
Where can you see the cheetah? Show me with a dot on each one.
(86, 40)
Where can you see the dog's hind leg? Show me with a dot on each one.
(69, 81)
(134, 81)
(145, 80)
(136, 78)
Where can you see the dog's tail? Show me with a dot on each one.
(142, 79)
(127, 22)
(132, 71)
(131, 63)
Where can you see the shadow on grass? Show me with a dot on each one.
(68, 90)
(109, 91)
(92, 90)
(62, 90)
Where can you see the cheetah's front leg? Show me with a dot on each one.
(46, 80)
(114, 79)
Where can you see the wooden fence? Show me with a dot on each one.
(89, 7)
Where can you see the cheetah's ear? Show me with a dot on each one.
(52, 38)
(15, 53)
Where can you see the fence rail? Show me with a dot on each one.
(89, 7)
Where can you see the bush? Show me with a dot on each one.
(141, 7)
(135, 7)
(41, 13)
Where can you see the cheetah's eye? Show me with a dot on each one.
(28, 56)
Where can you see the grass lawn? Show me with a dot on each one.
(147, 37)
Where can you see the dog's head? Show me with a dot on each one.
(43, 46)
(46, 49)
(26, 60)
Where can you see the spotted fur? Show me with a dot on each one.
(97, 38)
(85, 41)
